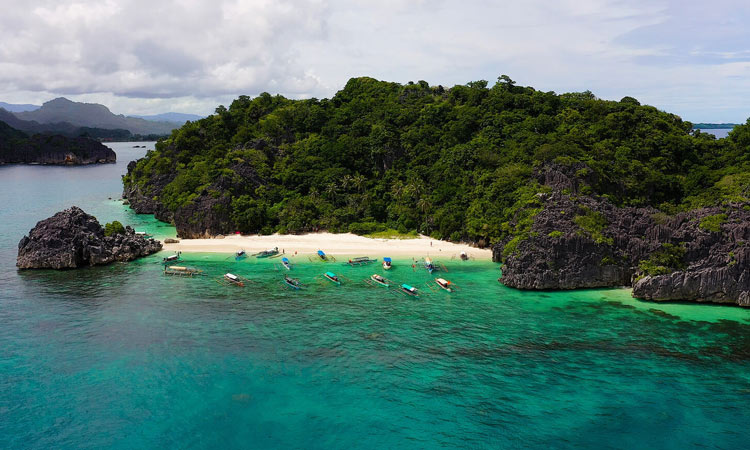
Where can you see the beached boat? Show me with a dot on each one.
(267, 253)
(332, 277)
(322, 255)
(181, 271)
(285, 262)
(292, 282)
(172, 258)
(380, 280)
(234, 279)
(387, 263)
(429, 265)
(240, 254)
(409, 290)
(445, 284)
(361, 261)
(464, 256)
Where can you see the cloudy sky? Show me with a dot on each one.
(141, 57)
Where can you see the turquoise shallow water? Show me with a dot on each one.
(124, 357)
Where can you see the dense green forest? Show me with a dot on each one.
(458, 163)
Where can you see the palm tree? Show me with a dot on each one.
(359, 182)
(424, 204)
(331, 191)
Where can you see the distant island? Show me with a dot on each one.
(16, 147)
(568, 190)
(714, 126)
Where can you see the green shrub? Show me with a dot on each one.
(555, 234)
(113, 228)
(363, 228)
(594, 223)
(664, 261)
(713, 223)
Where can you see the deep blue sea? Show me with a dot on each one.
(125, 357)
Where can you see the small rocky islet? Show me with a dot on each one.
(72, 239)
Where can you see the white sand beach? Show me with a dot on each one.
(332, 244)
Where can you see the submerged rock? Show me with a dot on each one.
(72, 238)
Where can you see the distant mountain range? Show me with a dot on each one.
(18, 108)
(171, 117)
(73, 118)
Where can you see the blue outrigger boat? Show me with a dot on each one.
(240, 254)
(332, 277)
(322, 255)
(429, 265)
(387, 263)
(285, 262)
(409, 290)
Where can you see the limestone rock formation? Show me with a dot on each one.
(72, 238)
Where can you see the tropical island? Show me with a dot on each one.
(16, 147)
(568, 190)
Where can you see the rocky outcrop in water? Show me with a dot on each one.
(72, 238)
(579, 241)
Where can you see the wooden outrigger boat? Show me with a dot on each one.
(361, 261)
(181, 271)
(332, 278)
(409, 290)
(172, 258)
(285, 262)
(240, 254)
(380, 280)
(292, 282)
(445, 284)
(234, 279)
(432, 266)
(267, 253)
(387, 263)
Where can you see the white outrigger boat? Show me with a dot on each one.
(387, 263)
(234, 279)
(378, 279)
(181, 271)
(445, 284)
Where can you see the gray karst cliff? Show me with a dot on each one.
(72, 238)
(563, 251)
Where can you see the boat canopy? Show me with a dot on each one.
(232, 276)
(331, 274)
(320, 253)
(285, 259)
(387, 259)
(408, 288)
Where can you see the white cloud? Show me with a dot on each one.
(141, 56)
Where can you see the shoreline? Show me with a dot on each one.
(344, 244)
